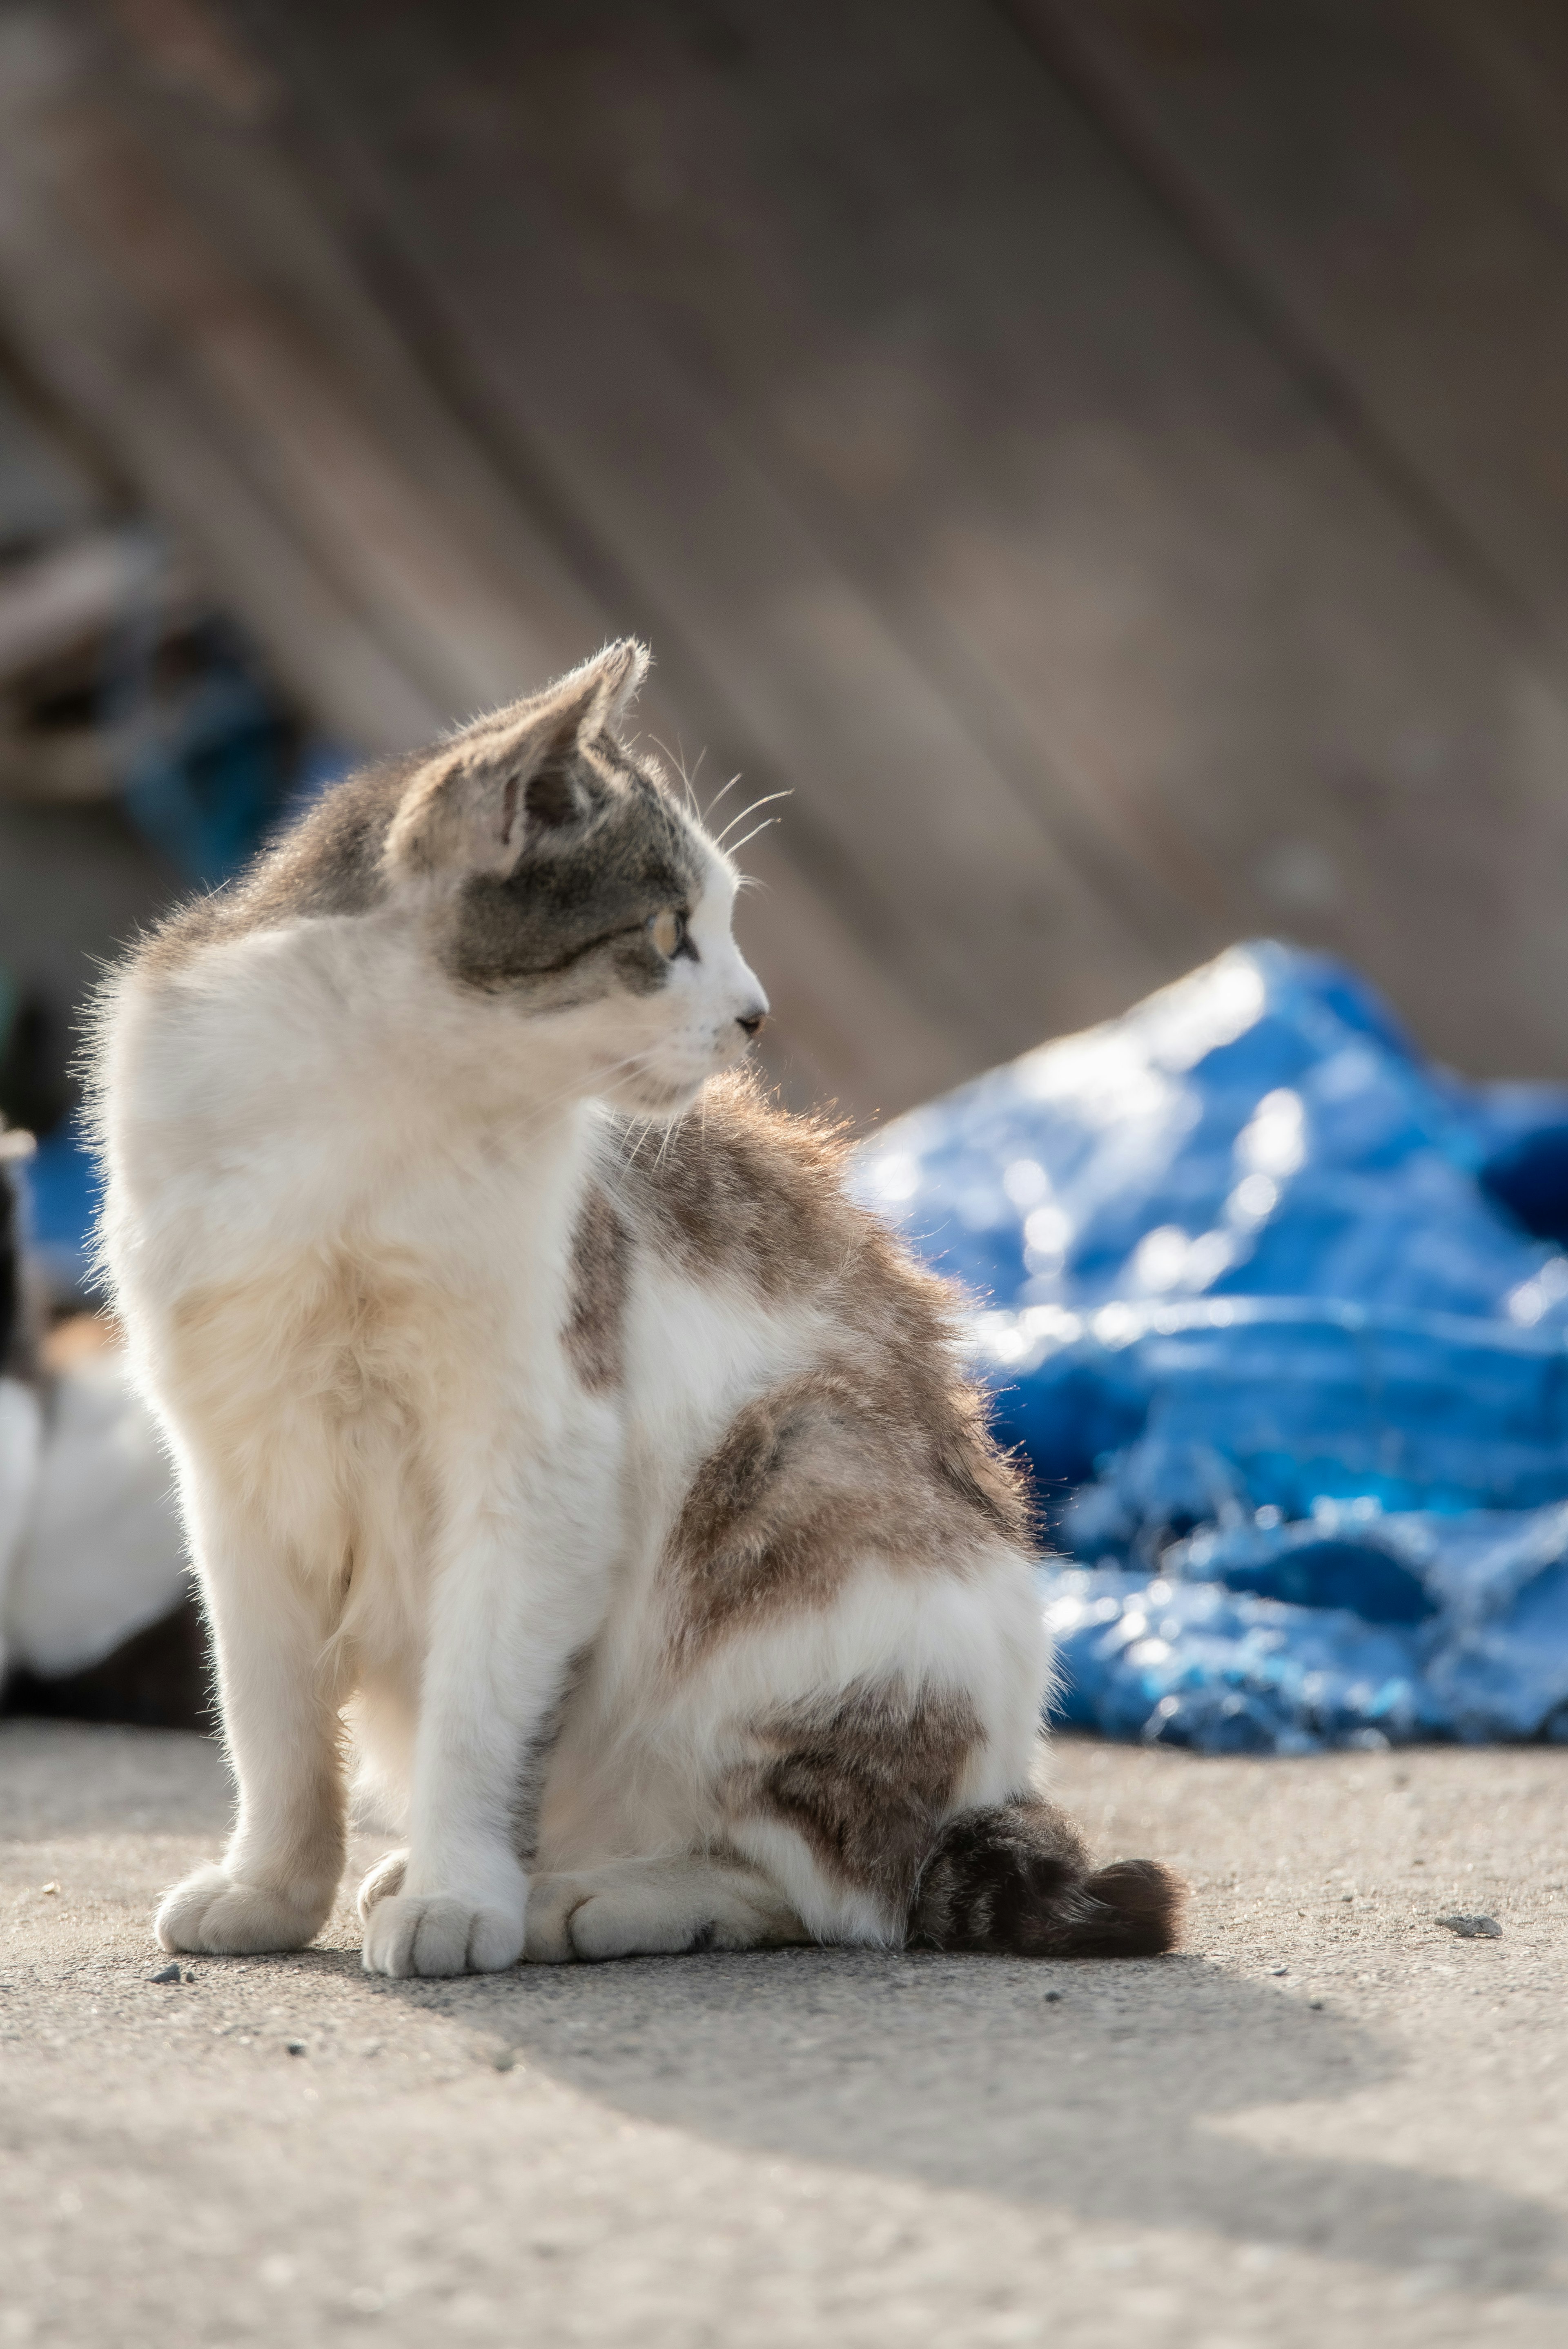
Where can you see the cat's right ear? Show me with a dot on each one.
(506, 782)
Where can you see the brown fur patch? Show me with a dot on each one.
(601, 1253)
(884, 1447)
(738, 1188)
(812, 1477)
(865, 1779)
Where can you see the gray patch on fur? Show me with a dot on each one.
(327, 864)
(567, 924)
(865, 1778)
(569, 920)
(528, 1794)
(601, 1250)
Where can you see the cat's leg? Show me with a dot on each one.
(655, 1907)
(516, 1602)
(275, 1885)
(382, 1721)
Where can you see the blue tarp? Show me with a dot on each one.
(1278, 1310)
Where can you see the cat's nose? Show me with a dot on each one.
(750, 1022)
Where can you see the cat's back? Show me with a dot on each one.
(224, 1010)
(326, 862)
(741, 1193)
(186, 1018)
(814, 1339)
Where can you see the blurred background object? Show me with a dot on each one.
(1102, 457)
(95, 1619)
(1278, 1313)
(144, 750)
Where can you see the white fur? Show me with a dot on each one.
(340, 1205)
(98, 1554)
(21, 1442)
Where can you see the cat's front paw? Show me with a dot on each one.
(214, 1914)
(410, 1933)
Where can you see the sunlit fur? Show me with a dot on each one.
(434, 1445)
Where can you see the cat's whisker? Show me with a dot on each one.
(723, 794)
(766, 825)
(565, 1093)
(688, 781)
(541, 1109)
(691, 783)
(670, 1132)
(766, 800)
(644, 1126)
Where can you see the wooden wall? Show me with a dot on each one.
(1106, 457)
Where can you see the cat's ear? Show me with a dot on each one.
(507, 782)
(619, 669)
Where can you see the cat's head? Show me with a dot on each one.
(558, 880)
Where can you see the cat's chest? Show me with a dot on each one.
(456, 1328)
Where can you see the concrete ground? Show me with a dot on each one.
(1329, 2119)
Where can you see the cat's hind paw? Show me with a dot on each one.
(213, 1914)
(553, 1901)
(406, 1934)
(653, 1909)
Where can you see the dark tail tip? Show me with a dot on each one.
(1142, 1903)
(1016, 1879)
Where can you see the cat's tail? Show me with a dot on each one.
(1017, 1877)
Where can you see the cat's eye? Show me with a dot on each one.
(667, 930)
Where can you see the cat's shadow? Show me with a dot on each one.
(967, 2074)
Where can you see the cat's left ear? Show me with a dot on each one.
(507, 782)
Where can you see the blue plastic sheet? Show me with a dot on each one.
(1279, 1313)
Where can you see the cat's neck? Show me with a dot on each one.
(317, 1088)
(382, 1045)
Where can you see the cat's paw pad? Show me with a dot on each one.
(407, 1934)
(214, 1914)
(385, 1880)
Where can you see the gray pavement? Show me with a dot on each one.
(1330, 2119)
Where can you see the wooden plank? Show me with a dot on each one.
(939, 441)
(158, 260)
(951, 466)
(119, 364)
(121, 272)
(1507, 68)
(1319, 157)
(982, 915)
(1348, 177)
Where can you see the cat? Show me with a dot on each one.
(550, 1425)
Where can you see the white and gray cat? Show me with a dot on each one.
(548, 1418)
